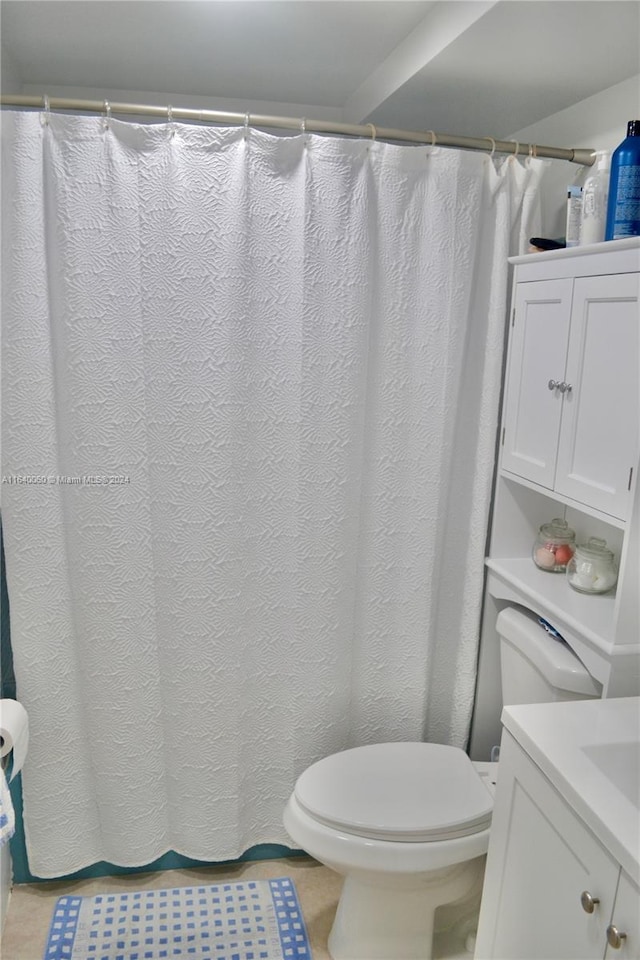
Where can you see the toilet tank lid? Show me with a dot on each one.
(553, 658)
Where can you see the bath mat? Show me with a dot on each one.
(246, 920)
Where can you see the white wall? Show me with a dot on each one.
(10, 81)
(599, 122)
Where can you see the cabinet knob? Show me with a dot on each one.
(588, 902)
(565, 387)
(553, 384)
(615, 939)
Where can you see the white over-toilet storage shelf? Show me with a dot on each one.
(569, 446)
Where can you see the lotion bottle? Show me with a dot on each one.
(574, 215)
(574, 207)
(594, 200)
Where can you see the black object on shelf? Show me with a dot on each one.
(543, 244)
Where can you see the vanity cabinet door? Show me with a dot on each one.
(625, 920)
(542, 864)
(532, 410)
(598, 444)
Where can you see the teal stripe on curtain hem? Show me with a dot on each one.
(168, 861)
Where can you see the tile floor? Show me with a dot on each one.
(31, 905)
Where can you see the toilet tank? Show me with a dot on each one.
(536, 667)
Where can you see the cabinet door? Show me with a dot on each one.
(537, 355)
(600, 417)
(626, 919)
(541, 859)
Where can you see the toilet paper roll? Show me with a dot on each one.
(14, 733)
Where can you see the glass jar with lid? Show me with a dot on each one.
(592, 568)
(554, 546)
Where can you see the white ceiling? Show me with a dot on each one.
(459, 66)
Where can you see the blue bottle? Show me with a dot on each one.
(623, 207)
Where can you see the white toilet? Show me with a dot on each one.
(407, 824)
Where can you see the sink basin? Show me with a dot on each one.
(620, 763)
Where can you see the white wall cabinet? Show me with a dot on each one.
(551, 891)
(569, 448)
(570, 452)
(572, 411)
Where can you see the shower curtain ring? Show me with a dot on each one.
(434, 141)
(516, 151)
(493, 146)
(172, 129)
(374, 132)
(46, 114)
(247, 120)
(107, 115)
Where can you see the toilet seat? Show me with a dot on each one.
(411, 792)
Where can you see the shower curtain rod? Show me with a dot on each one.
(581, 155)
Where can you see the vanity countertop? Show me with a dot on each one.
(590, 751)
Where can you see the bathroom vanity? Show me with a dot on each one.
(562, 880)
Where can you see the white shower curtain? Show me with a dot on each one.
(284, 354)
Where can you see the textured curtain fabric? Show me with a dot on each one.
(250, 396)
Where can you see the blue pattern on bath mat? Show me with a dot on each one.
(244, 920)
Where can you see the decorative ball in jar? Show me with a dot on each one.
(592, 568)
(554, 546)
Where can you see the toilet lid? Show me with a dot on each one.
(397, 791)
